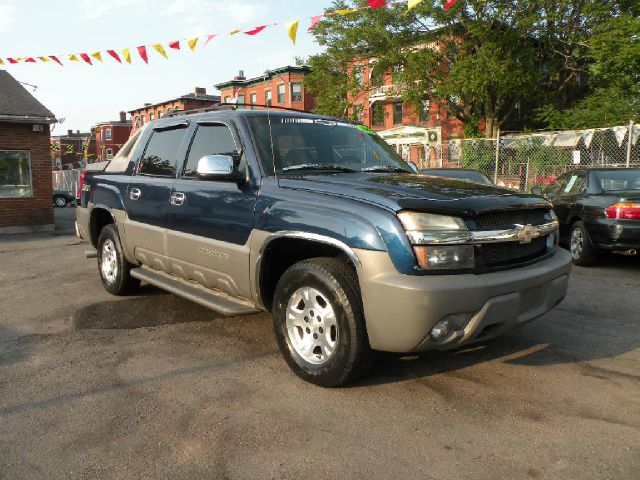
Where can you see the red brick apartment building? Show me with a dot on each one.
(109, 138)
(283, 87)
(25, 160)
(412, 129)
(189, 101)
(68, 151)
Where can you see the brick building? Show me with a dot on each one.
(68, 151)
(413, 129)
(282, 87)
(108, 138)
(25, 160)
(190, 101)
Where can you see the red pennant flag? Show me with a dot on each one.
(209, 38)
(256, 30)
(86, 58)
(175, 45)
(115, 56)
(55, 59)
(449, 4)
(314, 22)
(11, 60)
(378, 3)
(30, 60)
(142, 51)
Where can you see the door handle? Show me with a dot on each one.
(177, 198)
(135, 193)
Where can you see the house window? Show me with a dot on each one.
(396, 74)
(377, 115)
(136, 121)
(109, 154)
(107, 133)
(377, 76)
(254, 99)
(296, 92)
(160, 113)
(397, 113)
(241, 99)
(267, 98)
(424, 113)
(358, 75)
(151, 116)
(282, 93)
(227, 99)
(358, 111)
(15, 173)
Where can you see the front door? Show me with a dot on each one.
(211, 221)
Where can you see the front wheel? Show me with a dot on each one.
(583, 253)
(113, 266)
(319, 322)
(59, 201)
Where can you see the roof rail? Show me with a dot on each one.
(231, 106)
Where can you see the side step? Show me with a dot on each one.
(215, 300)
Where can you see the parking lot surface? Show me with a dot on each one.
(153, 386)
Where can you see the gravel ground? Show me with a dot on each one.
(153, 386)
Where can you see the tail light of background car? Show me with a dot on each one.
(81, 183)
(624, 211)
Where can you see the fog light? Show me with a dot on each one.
(441, 330)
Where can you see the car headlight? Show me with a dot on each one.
(440, 242)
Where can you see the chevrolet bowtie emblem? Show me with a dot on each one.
(526, 233)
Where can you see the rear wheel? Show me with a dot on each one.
(319, 322)
(60, 201)
(113, 266)
(582, 250)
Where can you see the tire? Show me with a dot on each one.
(319, 322)
(60, 201)
(113, 267)
(583, 252)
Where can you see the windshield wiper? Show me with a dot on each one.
(318, 166)
(385, 168)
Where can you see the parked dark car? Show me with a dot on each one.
(599, 211)
(61, 198)
(466, 174)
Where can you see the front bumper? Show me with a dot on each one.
(401, 310)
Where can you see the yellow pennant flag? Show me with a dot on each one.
(233, 32)
(346, 12)
(126, 54)
(1, 62)
(97, 56)
(160, 49)
(192, 43)
(43, 59)
(413, 3)
(73, 58)
(292, 30)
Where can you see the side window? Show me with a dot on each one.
(574, 185)
(209, 140)
(160, 156)
(554, 188)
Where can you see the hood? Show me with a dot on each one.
(405, 191)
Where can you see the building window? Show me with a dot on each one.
(296, 92)
(241, 99)
(254, 99)
(358, 111)
(267, 98)
(424, 108)
(227, 99)
(377, 115)
(397, 113)
(358, 75)
(15, 173)
(107, 134)
(136, 121)
(160, 113)
(152, 117)
(282, 93)
(377, 76)
(397, 73)
(109, 154)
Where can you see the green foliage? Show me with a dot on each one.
(479, 155)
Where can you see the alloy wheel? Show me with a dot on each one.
(577, 243)
(109, 261)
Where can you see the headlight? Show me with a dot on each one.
(440, 242)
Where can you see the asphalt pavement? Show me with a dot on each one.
(153, 386)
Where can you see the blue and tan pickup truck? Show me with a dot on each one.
(319, 222)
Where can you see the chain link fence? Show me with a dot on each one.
(66, 180)
(522, 161)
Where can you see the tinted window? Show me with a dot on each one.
(209, 140)
(554, 188)
(575, 184)
(622, 179)
(161, 155)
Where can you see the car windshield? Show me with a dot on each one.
(296, 144)
(614, 180)
(466, 175)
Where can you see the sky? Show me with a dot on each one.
(84, 95)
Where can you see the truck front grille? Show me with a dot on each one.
(507, 254)
(506, 220)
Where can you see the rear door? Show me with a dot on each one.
(565, 201)
(149, 192)
(211, 220)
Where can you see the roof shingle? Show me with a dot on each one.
(16, 101)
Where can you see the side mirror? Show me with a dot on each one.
(536, 190)
(218, 167)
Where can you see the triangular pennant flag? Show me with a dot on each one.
(74, 58)
(1, 62)
(175, 44)
(378, 3)
(346, 11)
(55, 59)
(314, 22)
(160, 49)
(86, 58)
(256, 30)
(209, 38)
(30, 60)
(44, 59)
(142, 51)
(126, 54)
(233, 32)
(192, 43)
(115, 56)
(12, 60)
(292, 30)
(449, 4)
(413, 3)
(97, 56)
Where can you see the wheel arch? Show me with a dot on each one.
(100, 217)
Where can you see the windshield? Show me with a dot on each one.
(466, 175)
(321, 145)
(622, 179)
